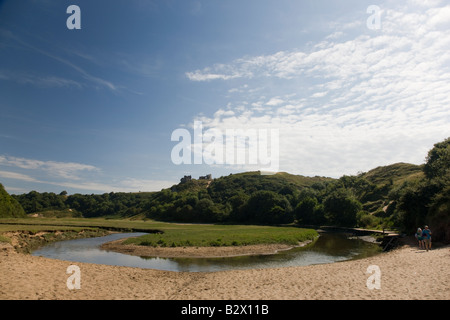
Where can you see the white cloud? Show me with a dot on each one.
(335, 35)
(16, 176)
(275, 101)
(69, 170)
(201, 76)
(390, 49)
(439, 17)
(319, 94)
(74, 176)
(241, 89)
(134, 185)
(426, 3)
(128, 185)
(384, 95)
(222, 112)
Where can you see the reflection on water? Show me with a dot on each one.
(330, 247)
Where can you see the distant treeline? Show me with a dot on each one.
(88, 206)
(402, 196)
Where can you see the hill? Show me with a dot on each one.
(247, 197)
(250, 197)
(384, 180)
(250, 182)
(401, 195)
(394, 174)
(9, 207)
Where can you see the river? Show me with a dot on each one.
(329, 248)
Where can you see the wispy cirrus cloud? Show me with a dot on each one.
(40, 81)
(16, 176)
(98, 81)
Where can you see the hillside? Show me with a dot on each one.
(250, 182)
(9, 207)
(399, 195)
(394, 174)
(247, 197)
(384, 180)
(250, 197)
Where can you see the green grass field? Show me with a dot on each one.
(223, 235)
(171, 234)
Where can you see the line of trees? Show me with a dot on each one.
(363, 200)
(89, 206)
(268, 200)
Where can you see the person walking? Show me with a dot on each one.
(426, 234)
(419, 238)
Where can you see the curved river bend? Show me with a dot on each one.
(329, 248)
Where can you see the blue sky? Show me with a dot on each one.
(93, 110)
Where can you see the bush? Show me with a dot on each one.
(305, 211)
(367, 220)
(216, 243)
(341, 208)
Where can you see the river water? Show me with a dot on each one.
(329, 248)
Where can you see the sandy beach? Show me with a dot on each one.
(403, 273)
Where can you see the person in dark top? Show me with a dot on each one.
(426, 234)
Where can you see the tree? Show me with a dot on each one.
(205, 210)
(439, 213)
(341, 208)
(413, 206)
(268, 207)
(305, 211)
(9, 207)
(438, 160)
(238, 205)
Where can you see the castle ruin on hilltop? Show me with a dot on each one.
(189, 178)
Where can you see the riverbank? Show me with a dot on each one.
(197, 252)
(403, 276)
(25, 241)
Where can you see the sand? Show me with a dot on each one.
(404, 272)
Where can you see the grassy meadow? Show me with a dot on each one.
(223, 235)
(165, 234)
